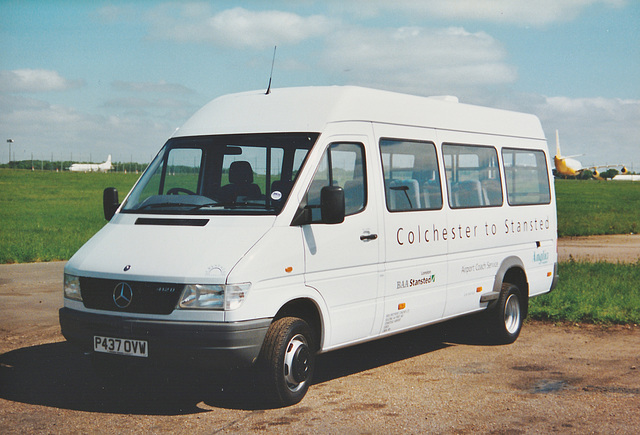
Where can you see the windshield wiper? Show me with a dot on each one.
(209, 204)
(164, 204)
(233, 205)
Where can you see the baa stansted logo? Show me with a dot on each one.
(122, 295)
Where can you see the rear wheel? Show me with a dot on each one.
(287, 361)
(507, 316)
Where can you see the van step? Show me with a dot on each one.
(488, 297)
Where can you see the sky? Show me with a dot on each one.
(80, 80)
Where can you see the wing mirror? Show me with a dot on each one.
(110, 202)
(332, 205)
(332, 208)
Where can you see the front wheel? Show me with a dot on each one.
(287, 361)
(507, 316)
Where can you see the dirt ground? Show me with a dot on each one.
(614, 248)
(439, 379)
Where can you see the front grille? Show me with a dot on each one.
(130, 296)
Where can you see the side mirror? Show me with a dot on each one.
(332, 205)
(110, 202)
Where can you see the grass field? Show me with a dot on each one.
(589, 207)
(47, 216)
(592, 292)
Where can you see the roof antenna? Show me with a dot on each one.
(271, 75)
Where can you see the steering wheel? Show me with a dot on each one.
(177, 190)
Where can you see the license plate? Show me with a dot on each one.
(120, 346)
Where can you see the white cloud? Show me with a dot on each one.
(418, 60)
(131, 102)
(35, 80)
(45, 130)
(150, 87)
(523, 12)
(605, 130)
(237, 27)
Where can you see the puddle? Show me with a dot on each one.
(548, 386)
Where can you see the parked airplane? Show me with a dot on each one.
(92, 167)
(571, 167)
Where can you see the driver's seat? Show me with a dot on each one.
(241, 185)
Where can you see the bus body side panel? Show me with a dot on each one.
(482, 235)
(415, 274)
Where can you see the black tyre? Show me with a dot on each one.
(287, 361)
(507, 315)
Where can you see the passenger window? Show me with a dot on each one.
(342, 165)
(473, 177)
(411, 177)
(526, 176)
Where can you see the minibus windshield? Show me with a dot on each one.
(222, 174)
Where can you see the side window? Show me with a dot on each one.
(342, 165)
(411, 177)
(473, 176)
(526, 176)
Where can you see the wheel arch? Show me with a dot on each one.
(307, 310)
(512, 271)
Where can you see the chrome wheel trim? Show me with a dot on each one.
(296, 359)
(512, 314)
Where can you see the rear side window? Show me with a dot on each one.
(411, 177)
(525, 172)
(473, 176)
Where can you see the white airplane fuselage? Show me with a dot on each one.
(92, 167)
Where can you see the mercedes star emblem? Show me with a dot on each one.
(122, 295)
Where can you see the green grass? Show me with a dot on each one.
(49, 215)
(592, 292)
(590, 207)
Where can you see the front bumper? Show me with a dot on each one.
(215, 344)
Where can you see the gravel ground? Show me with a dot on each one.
(441, 379)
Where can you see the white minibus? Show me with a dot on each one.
(273, 227)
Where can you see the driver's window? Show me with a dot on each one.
(342, 165)
(183, 171)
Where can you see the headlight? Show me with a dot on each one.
(72, 287)
(213, 297)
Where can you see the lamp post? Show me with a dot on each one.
(9, 141)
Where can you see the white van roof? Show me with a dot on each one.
(309, 109)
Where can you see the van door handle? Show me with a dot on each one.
(368, 237)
